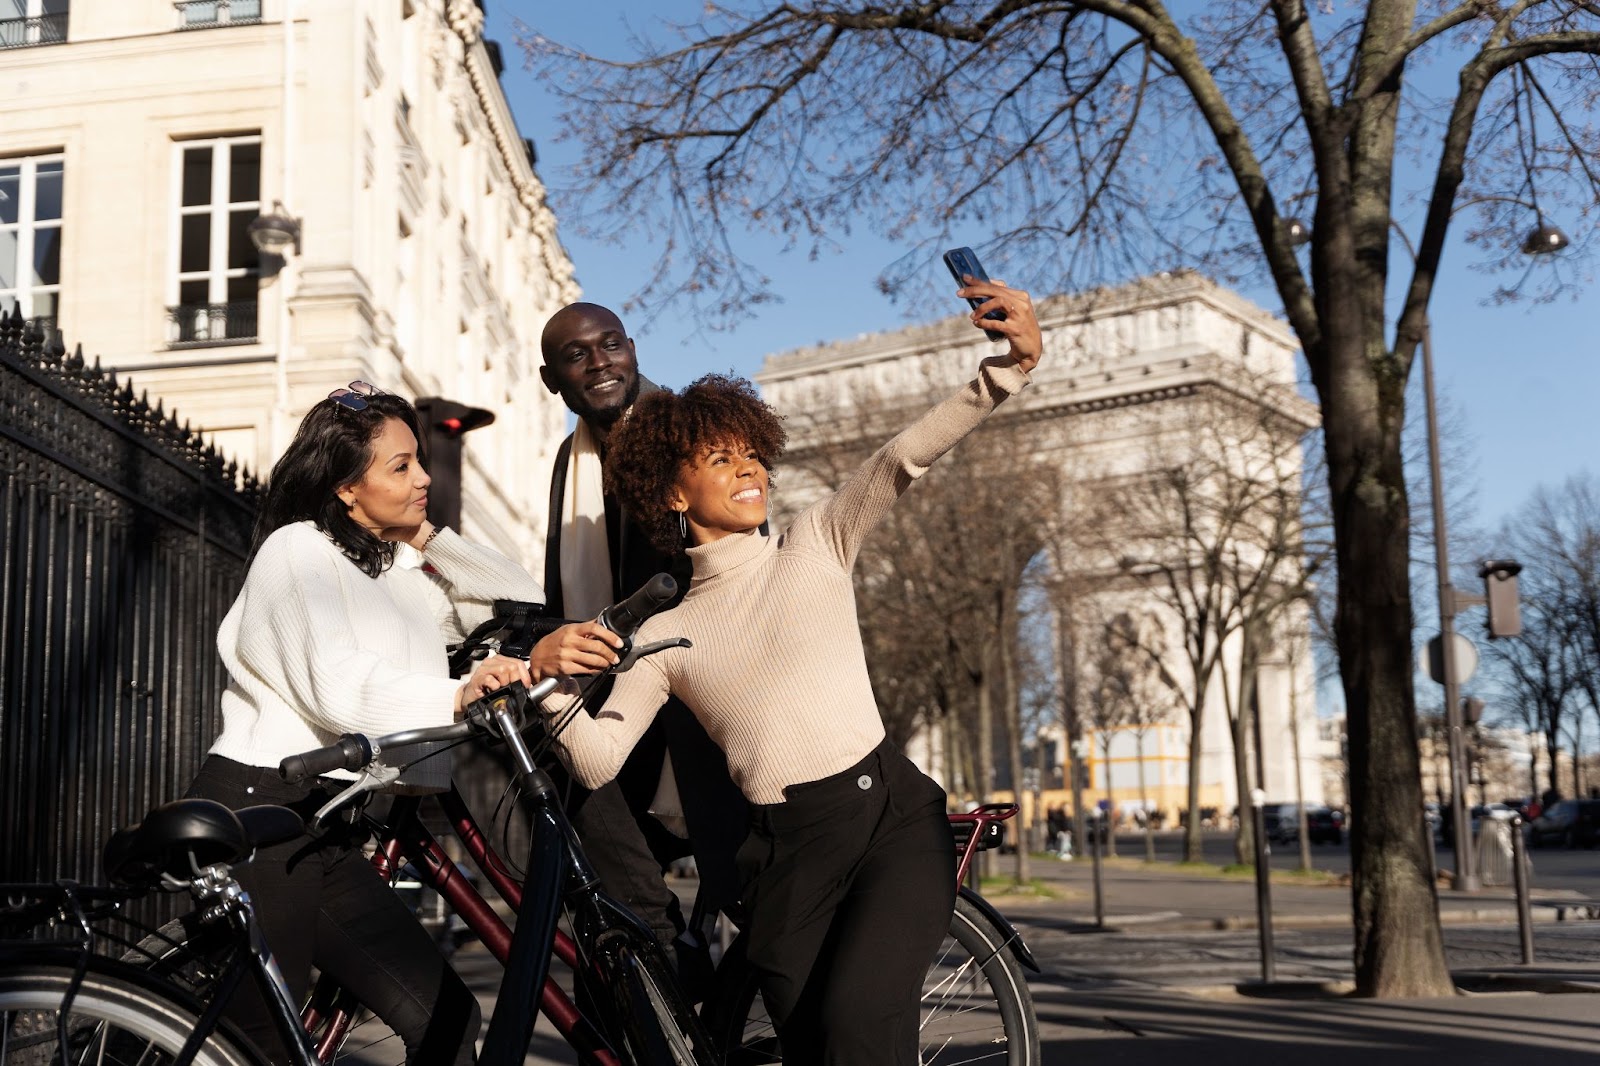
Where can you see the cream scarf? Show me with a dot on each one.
(586, 584)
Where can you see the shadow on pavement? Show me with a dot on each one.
(1137, 1028)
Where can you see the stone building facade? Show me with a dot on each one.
(1124, 392)
(143, 137)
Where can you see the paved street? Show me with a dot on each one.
(1176, 978)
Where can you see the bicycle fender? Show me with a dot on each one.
(1013, 939)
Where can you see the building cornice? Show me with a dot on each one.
(1055, 313)
(465, 20)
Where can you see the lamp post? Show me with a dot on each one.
(1465, 877)
(277, 234)
(1543, 239)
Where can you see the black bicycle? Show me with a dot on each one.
(63, 999)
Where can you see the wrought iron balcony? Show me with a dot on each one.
(205, 14)
(28, 32)
(205, 325)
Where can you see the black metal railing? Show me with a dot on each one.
(28, 32)
(200, 325)
(122, 544)
(204, 14)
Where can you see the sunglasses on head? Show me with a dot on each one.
(354, 395)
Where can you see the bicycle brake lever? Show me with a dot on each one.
(373, 777)
(640, 651)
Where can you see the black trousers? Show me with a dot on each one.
(320, 903)
(848, 888)
(629, 848)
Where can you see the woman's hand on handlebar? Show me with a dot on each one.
(494, 672)
(574, 649)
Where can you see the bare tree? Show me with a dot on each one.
(1112, 695)
(1101, 137)
(1215, 535)
(1156, 695)
(1541, 668)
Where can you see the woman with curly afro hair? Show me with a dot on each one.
(848, 872)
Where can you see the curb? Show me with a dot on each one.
(1175, 921)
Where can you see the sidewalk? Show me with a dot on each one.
(1174, 978)
(1164, 896)
(1166, 927)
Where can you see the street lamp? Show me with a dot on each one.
(275, 232)
(1542, 240)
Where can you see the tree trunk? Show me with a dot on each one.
(1144, 805)
(1399, 951)
(1106, 737)
(1193, 847)
(1067, 665)
(1011, 711)
(1552, 749)
(985, 758)
(1235, 705)
(1244, 846)
(1299, 770)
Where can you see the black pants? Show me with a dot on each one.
(320, 903)
(849, 887)
(629, 848)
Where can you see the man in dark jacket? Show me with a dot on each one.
(595, 556)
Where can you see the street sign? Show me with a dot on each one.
(1431, 658)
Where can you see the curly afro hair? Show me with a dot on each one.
(667, 430)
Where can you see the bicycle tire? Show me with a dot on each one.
(120, 1016)
(187, 951)
(976, 1006)
(648, 1031)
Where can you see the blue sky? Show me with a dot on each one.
(1521, 379)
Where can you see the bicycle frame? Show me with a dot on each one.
(403, 837)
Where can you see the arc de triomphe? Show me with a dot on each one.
(1169, 373)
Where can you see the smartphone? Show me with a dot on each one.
(963, 264)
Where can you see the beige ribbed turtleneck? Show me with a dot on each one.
(777, 674)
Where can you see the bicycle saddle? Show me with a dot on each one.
(178, 837)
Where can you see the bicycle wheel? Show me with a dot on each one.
(119, 1017)
(648, 1032)
(187, 952)
(976, 1006)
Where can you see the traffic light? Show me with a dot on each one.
(1471, 710)
(1500, 589)
(444, 423)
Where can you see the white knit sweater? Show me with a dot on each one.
(314, 647)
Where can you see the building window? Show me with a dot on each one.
(213, 287)
(24, 23)
(30, 236)
(202, 14)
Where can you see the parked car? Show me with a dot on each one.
(1324, 825)
(1570, 822)
(1281, 822)
(1498, 812)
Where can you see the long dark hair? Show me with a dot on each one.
(332, 448)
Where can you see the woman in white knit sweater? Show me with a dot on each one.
(848, 874)
(349, 599)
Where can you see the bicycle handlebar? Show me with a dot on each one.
(625, 618)
(350, 751)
